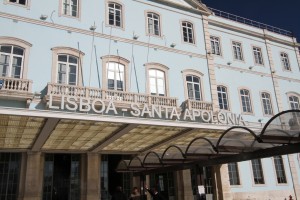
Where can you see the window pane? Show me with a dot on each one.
(63, 58)
(18, 51)
(6, 49)
(4, 63)
(233, 174)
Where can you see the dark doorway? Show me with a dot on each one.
(164, 183)
(61, 177)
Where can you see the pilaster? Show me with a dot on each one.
(222, 189)
(34, 176)
(210, 63)
(93, 176)
(293, 164)
(274, 76)
(22, 176)
(184, 185)
(297, 52)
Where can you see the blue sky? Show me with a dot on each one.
(284, 14)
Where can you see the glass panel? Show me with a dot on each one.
(72, 59)
(18, 51)
(233, 174)
(23, 2)
(63, 58)
(4, 63)
(16, 67)
(6, 49)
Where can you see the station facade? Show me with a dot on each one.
(87, 84)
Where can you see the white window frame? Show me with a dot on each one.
(237, 51)
(222, 93)
(280, 170)
(11, 56)
(285, 61)
(11, 41)
(258, 56)
(118, 73)
(266, 103)
(215, 45)
(234, 175)
(27, 4)
(294, 102)
(162, 68)
(151, 27)
(68, 66)
(113, 10)
(56, 51)
(188, 35)
(247, 98)
(193, 83)
(254, 172)
(62, 10)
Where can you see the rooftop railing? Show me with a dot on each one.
(250, 22)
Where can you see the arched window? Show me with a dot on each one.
(115, 14)
(115, 76)
(188, 32)
(157, 82)
(223, 97)
(267, 104)
(14, 54)
(194, 87)
(153, 22)
(246, 101)
(285, 61)
(66, 67)
(294, 102)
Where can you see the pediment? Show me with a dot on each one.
(191, 4)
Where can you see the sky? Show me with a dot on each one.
(284, 14)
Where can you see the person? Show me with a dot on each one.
(154, 193)
(118, 195)
(135, 194)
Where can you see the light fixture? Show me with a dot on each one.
(208, 52)
(260, 120)
(43, 17)
(273, 71)
(229, 63)
(135, 37)
(173, 45)
(251, 67)
(93, 28)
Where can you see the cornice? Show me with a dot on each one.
(97, 34)
(253, 33)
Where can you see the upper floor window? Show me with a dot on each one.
(237, 50)
(188, 32)
(258, 56)
(11, 61)
(157, 82)
(70, 7)
(115, 14)
(193, 87)
(279, 167)
(21, 2)
(233, 173)
(246, 101)
(215, 45)
(267, 104)
(223, 97)
(66, 66)
(153, 22)
(67, 69)
(285, 61)
(294, 102)
(115, 73)
(258, 175)
(115, 76)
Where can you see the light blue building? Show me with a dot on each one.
(87, 84)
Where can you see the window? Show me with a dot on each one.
(294, 102)
(246, 101)
(157, 82)
(285, 61)
(11, 61)
(188, 32)
(67, 68)
(70, 7)
(153, 22)
(267, 105)
(223, 97)
(237, 51)
(115, 14)
(279, 167)
(233, 173)
(21, 2)
(258, 175)
(115, 73)
(258, 56)
(115, 76)
(193, 87)
(215, 45)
